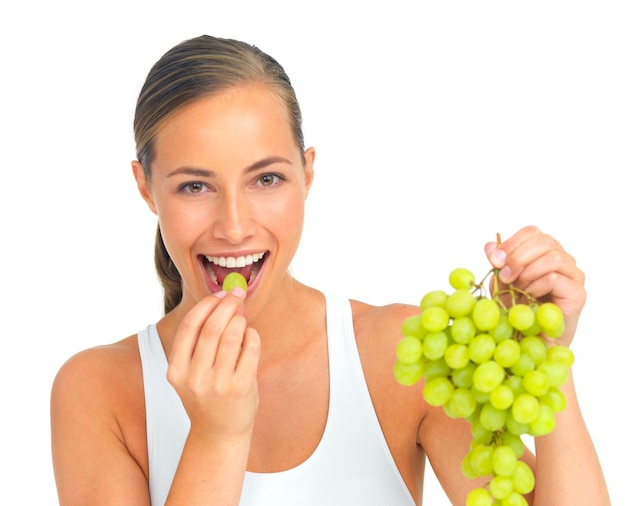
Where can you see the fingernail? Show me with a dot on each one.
(498, 257)
(505, 275)
(238, 292)
(220, 295)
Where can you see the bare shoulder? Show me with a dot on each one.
(98, 421)
(100, 369)
(380, 323)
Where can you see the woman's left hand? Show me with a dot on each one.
(536, 263)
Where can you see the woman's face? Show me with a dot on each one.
(228, 185)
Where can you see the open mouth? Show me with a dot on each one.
(248, 266)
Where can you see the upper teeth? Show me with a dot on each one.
(230, 262)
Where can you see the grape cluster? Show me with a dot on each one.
(487, 360)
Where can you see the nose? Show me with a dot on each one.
(233, 218)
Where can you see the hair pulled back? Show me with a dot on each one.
(194, 69)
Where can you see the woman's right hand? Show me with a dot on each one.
(213, 367)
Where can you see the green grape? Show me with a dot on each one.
(434, 345)
(479, 497)
(460, 303)
(491, 418)
(523, 478)
(503, 330)
(461, 404)
(462, 330)
(457, 356)
(513, 441)
(507, 352)
(435, 319)
(549, 316)
(409, 350)
(408, 374)
(525, 408)
(534, 347)
(481, 459)
(524, 364)
(461, 278)
(481, 348)
(466, 468)
(480, 433)
(486, 314)
(514, 427)
(234, 279)
(502, 397)
(434, 298)
(504, 460)
(412, 326)
(554, 333)
(535, 383)
(514, 499)
(555, 399)
(437, 391)
(562, 354)
(556, 372)
(544, 423)
(435, 369)
(463, 377)
(521, 316)
(501, 487)
(488, 376)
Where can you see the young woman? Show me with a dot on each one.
(282, 395)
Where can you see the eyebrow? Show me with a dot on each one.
(261, 164)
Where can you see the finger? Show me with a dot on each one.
(230, 346)
(188, 333)
(213, 327)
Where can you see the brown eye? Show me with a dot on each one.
(195, 187)
(267, 179)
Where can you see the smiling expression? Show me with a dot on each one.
(228, 184)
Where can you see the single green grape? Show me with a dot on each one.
(486, 314)
(501, 487)
(504, 460)
(461, 278)
(521, 316)
(479, 497)
(460, 303)
(409, 350)
(549, 316)
(234, 279)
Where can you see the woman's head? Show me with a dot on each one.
(191, 73)
(202, 67)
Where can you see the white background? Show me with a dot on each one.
(437, 125)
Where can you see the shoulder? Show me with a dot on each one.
(101, 383)
(380, 323)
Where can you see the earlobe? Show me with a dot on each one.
(309, 172)
(142, 185)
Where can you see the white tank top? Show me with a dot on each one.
(352, 464)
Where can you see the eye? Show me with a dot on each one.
(269, 179)
(193, 187)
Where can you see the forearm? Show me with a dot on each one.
(210, 473)
(567, 467)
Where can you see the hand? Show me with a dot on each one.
(536, 263)
(213, 366)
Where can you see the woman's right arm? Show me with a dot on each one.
(92, 453)
(213, 367)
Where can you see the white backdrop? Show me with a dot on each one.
(437, 124)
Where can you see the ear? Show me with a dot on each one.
(143, 185)
(309, 172)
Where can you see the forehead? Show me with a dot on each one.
(241, 122)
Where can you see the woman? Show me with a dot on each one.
(281, 394)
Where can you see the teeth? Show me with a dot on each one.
(231, 262)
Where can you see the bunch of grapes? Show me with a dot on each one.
(487, 360)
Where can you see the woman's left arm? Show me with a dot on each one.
(567, 468)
